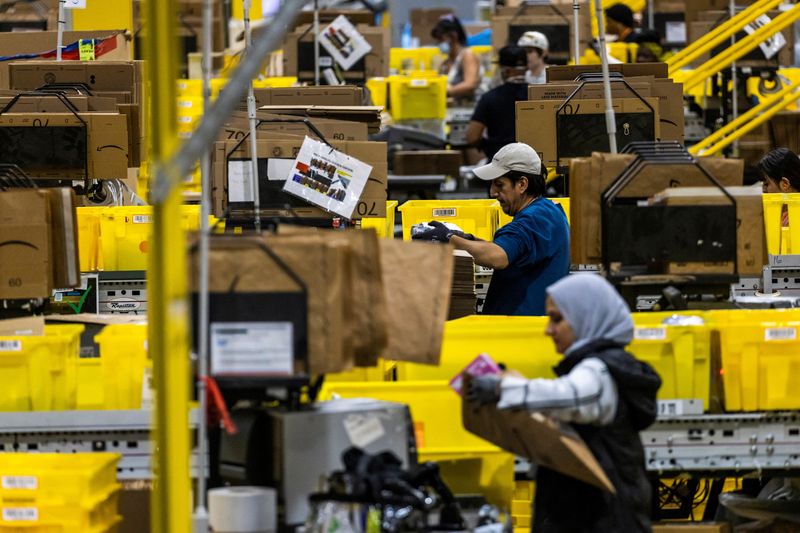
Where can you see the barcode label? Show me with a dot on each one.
(185, 103)
(650, 334)
(419, 82)
(11, 346)
(20, 482)
(670, 408)
(142, 219)
(780, 334)
(18, 514)
(449, 212)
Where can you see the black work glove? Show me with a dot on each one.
(484, 390)
(441, 233)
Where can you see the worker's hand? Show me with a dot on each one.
(484, 390)
(440, 233)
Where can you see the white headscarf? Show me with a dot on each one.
(593, 309)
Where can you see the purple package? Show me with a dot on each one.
(480, 366)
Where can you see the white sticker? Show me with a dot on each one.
(448, 212)
(780, 334)
(772, 45)
(650, 334)
(670, 408)
(252, 348)
(147, 390)
(363, 430)
(419, 82)
(240, 177)
(58, 297)
(11, 346)
(20, 482)
(20, 514)
(75, 4)
(142, 219)
(279, 169)
(676, 32)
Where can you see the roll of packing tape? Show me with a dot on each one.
(242, 510)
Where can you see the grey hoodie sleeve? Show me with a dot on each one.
(587, 395)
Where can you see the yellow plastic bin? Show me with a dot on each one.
(384, 226)
(760, 353)
(90, 384)
(91, 516)
(124, 363)
(414, 59)
(380, 372)
(516, 341)
(379, 90)
(418, 97)
(89, 237)
(505, 219)
(39, 373)
(478, 217)
(469, 464)
(275, 82)
(782, 240)
(680, 354)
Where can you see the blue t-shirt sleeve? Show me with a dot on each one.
(525, 240)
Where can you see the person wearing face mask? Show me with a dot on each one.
(537, 46)
(604, 393)
(496, 111)
(529, 253)
(462, 66)
(781, 174)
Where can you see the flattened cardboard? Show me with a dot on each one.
(538, 438)
(416, 278)
(370, 115)
(64, 238)
(570, 72)
(238, 126)
(24, 244)
(751, 247)
(324, 95)
(694, 527)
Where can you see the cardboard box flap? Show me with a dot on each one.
(570, 72)
(369, 114)
(102, 319)
(538, 438)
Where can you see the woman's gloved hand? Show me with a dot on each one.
(484, 390)
(439, 232)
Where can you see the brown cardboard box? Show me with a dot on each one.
(97, 75)
(333, 130)
(590, 176)
(540, 439)
(376, 63)
(536, 121)
(323, 95)
(52, 104)
(25, 237)
(326, 16)
(510, 28)
(64, 238)
(423, 20)
(29, 325)
(750, 240)
(107, 149)
(692, 527)
(373, 199)
(410, 163)
(629, 70)
(369, 115)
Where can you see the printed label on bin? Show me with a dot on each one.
(19, 514)
(142, 219)
(11, 346)
(242, 348)
(449, 212)
(419, 82)
(780, 334)
(363, 430)
(650, 334)
(20, 482)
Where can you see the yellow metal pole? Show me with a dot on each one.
(167, 286)
(729, 55)
(720, 34)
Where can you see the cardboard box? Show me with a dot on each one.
(106, 151)
(692, 527)
(238, 126)
(64, 238)
(536, 122)
(629, 70)
(326, 16)
(590, 176)
(52, 104)
(411, 163)
(298, 53)
(423, 20)
(323, 95)
(369, 115)
(25, 236)
(557, 27)
(97, 75)
(751, 245)
(286, 147)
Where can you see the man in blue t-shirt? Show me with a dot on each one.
(529, 253)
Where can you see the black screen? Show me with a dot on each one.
(580, 135)
(44, 149)
(305, 58)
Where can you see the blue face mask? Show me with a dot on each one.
(444, 47)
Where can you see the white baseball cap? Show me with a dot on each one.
(534, 39)
(514, 156)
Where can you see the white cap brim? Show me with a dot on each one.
(490, 172)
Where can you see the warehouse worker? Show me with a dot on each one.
(529, 253)
(780, 171)
(537, 47)
(604, 393)
(619, 22)
(462, 66)
(495, 113)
